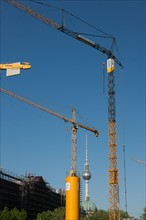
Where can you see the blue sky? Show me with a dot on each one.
(66, 73)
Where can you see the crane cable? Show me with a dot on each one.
(103, 77)
(105, 34)
(94, 27)
(125, 180)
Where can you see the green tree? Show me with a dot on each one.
(57, 214)
(124, 214)
(103, 215)
(143, 216)
(48, 215)
(98, 215)
(4, 214)
(13, 214)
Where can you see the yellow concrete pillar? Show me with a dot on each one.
(72, 198)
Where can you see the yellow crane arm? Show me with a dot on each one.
(49, 111)
(24, 65)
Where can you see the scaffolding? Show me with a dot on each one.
(29, 192)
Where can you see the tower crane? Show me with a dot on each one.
(72, 181)
(113, 180)
(73, 121)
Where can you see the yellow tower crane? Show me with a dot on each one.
(113, 180)
(14, 68)
(72, 181)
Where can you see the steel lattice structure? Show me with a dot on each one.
(113, 182)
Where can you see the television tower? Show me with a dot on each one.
(86, 174)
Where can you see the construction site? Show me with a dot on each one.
(36, 139)
(29, 192)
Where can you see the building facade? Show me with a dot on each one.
(30, 192)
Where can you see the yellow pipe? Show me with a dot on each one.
(72, 198)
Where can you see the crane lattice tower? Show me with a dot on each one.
(113, 181)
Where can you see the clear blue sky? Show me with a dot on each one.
(66, 73)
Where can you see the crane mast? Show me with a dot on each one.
(73, 121)
(113, 182)
(74, 140)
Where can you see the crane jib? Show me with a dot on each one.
(63, 29)
(49, 111)
(89, 42)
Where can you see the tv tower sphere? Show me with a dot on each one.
(86, 174)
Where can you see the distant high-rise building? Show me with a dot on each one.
(88, 205)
